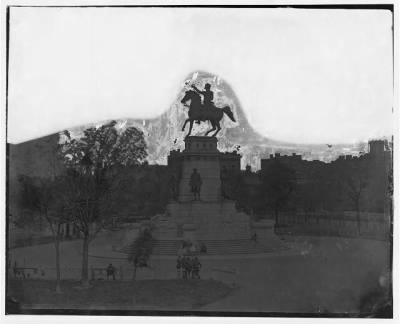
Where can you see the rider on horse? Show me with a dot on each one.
(207, 94)
(208, 97)
(197, 112)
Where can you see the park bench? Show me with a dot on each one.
(26, 272)
(101, 274)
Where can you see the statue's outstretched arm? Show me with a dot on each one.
(197, 90)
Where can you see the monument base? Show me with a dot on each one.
(211, 220)
(213, 225)
(213, 228)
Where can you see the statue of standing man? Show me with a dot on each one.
(195, 184)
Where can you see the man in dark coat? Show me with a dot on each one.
(195, 184)
(110, 271)
(179, 267)
(196, 268)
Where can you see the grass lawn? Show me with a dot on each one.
(146, 294)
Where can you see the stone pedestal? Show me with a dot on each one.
(211, 220)
(189, 231)
(201, 153)
(166, 228)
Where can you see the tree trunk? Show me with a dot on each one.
(58, 274)
(276, 216)
(85, 261)
(134, 273)
(358, 221)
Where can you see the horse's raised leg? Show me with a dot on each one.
(190, 128)
(184, 125)
(213, 128)
(218, 129)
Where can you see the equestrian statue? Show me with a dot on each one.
(204, 111)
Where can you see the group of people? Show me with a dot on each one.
(188, 267)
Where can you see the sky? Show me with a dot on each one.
(301, 76)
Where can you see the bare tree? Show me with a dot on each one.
(43, 195)
(277, 186)
(355, 183)
(141, 248)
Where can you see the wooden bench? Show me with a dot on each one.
(26, 272)
(101, 274)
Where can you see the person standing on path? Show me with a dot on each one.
(179, 267)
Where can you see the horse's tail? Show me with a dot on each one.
(227, 110)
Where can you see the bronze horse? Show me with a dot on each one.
(198, 112)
